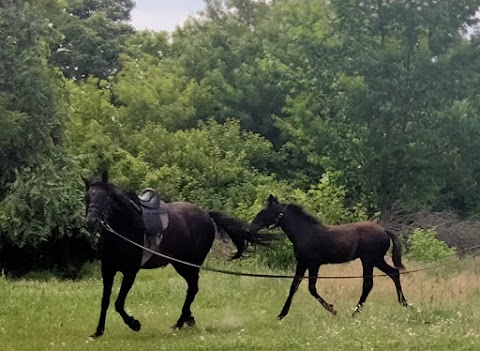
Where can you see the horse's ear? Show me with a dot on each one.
(86, 181)
(272, 199)
(105, 176)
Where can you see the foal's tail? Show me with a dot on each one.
(239, 231)
(397, 249)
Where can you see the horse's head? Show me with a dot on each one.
(98, 201)
(269, 215)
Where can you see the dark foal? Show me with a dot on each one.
(316, 244)
(188, 237)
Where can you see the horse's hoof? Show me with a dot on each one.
(280, 317)
(332, 310)
(134, 325)
(177, 326)
(405, 304)
(190, 321)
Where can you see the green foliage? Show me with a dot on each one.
(27, 94)
(90, 37)
(424, 246)
(215, 165)
(44, 203)
(223, 52)
(279, 255)
(154, 93)
(328, 199)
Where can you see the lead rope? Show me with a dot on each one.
(279, 276)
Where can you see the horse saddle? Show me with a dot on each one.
(154, 212)
(155, 219)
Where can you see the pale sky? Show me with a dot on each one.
(163, 14)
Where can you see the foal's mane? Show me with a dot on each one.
(300, 211)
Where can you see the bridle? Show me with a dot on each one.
(103, 214)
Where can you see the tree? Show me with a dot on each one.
(379, 114)
(38, 193)
(91, 37)
(222, 51)
(27, 94)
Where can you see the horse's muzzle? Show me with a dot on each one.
(93, 222)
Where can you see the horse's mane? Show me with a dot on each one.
(300, 211)
(123, 195)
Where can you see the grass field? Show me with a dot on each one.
(239, 313)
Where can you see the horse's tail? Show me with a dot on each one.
(239, 231)
(397, 249)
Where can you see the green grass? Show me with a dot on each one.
(236, 313)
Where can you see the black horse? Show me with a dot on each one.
(316, 244)
(188, 237)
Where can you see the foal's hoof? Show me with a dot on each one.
(358, 309)
(97, 334)
(134, 325)
(190, 321)
(177, 326)
(331, 310)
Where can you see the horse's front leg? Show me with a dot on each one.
(299, 272)
(107, 277)
(127, 282)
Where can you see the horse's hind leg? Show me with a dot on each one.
(367, 284)
(127, 282)
(394, 274)
(191, 276)
(312, 287)
(299, 272)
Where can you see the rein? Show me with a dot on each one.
(279, 276)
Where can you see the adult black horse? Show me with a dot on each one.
(315, 244)
(188, 237)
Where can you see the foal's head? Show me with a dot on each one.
(269, 215)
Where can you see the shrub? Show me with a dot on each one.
(425, 247)
(278, 255)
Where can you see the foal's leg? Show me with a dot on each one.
(127, 282)
(107, 278)
(395, 275)
(367, 285)
(190, 274)
(312, 287)
(299, 272)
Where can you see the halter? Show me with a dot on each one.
(279, 217)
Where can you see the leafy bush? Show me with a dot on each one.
(327, 200)
(279, 255)
(425, 247)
